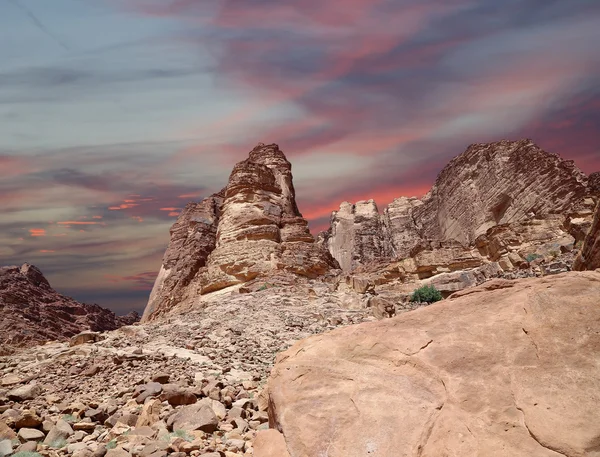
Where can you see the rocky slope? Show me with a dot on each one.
(251, 228)
(33, 312)
(187, 385)
(505, 369)
(486, 186)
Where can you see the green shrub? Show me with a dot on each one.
(58, 444)
(531, 257)
(182, 434)
(111, 444)
(70, 418)
(427, 294)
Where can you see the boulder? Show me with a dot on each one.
(199, 416)
(23, 393)
(507, 368)
(30, 434)
(60, 432)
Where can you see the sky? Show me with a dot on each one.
(115, 113)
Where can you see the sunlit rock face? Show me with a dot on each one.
(251, 228)
(486, 186)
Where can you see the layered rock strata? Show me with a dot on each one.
(504, 369)
(33, 312)
(505, 202)
(251, 228)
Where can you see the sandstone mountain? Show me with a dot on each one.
(505, 369)
(33, 312)
(249, 229)
(505, 209)
(488, 185)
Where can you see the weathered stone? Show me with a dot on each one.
(199, 416)
(6, 433)
(6, 448)
(151, 389)
(503, 369)
(84, 337)
(61, 431)
(177, 395)
(150, 413)
(29, 446)
(30, 434)
(23, 393)
(28, 419)
(162, 378)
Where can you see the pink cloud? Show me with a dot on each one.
(37, 232)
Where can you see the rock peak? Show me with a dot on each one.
(270, 155)
(252, 229)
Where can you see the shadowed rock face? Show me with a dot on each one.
(589, 258)
(504, 369)
(33, 312)
(486, 186)
(251, 228)
(594, 183)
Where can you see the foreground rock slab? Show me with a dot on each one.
(509, 368)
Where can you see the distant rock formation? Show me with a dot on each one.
(507, 368)
(488, 185)
(589, 257)
(249, 229)
(33, 312)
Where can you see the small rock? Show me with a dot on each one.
(6, 448)
(30, 434)
(29, 446)
(161, 378)
(28, 392)
(60, 432)
(84, 337)
(118, 452)
(29, 419)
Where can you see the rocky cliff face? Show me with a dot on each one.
(251, 228)
(33, 312)
(486, 186)
(589, 258)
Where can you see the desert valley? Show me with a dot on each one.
(261, 339)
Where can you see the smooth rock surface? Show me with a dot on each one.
(509, 368)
